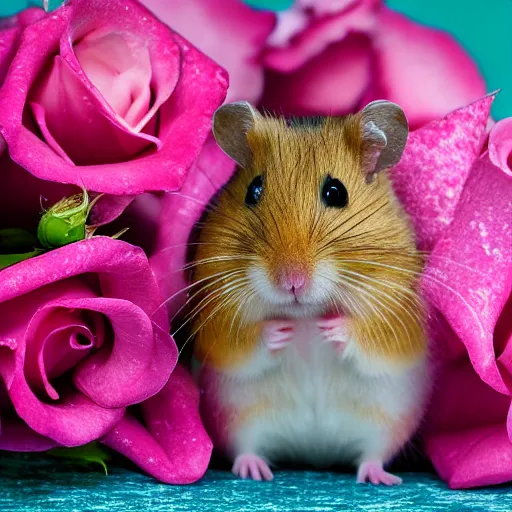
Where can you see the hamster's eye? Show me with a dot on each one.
(334, 193)
(254, 191)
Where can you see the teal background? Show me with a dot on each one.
(483, 27)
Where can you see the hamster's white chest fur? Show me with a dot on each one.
(309, 404)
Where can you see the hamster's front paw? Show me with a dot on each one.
(277, 334)
(334, 330)
(373, 472)
(249, 465)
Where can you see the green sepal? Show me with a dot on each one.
(90, 453)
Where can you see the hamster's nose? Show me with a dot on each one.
(293, 280)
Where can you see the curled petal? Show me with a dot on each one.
(500, 145)
(173, 445)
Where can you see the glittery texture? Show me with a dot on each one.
(435, 165)
(460, 202)
(55, 310)
(166, 90)
(39, 483)
(469, 280)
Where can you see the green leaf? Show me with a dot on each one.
(90, 453)
(6, 260)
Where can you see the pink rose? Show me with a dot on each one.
(176, 218)
(169, 440)
(112, 100)
(337, 59)
(229, 32)
(459, 201)
(79, 342)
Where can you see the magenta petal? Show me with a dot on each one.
(229, 32)
(8, 46)
(180, 212)
(16, 436)
(174, 446)
(359, 17)
(108, 208)
(184, 111)
(500, 145)
(74, 421)
(137, 365)
(469, 275)
(422, 69)
(473, 458)
(434, 167)
(331, 83)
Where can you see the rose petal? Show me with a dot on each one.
(180, 212)
(431, 174)
(359, 17)
(184, 116)
(422, 69)
(8, 46)
(23, 196)
(16, 436)
(138, 364)
(472, 458)
(500, 145)
(229, 32)
(173, 446)
(469, 275)
(119, 67)
(63, 101)
(76, 419)
(331, 83)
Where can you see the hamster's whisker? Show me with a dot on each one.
(408, 294)
(214, 295)
(363, 220)
(208, 299)
(226, 302)
(359, 310)
(243, 300)
(405, 293)
(214, 259)
(227, 274)
(186, 288)
(363, 288)
(433, 279)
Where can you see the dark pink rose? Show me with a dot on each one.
(79, 342)
(229, 32)
(179, 212)
(343, 57)
(112, 100)
(169, 440)
(459, 201)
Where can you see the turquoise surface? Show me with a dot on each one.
(482, 27)
(38, 484)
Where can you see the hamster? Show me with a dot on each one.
(307, 320)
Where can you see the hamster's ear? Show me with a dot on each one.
(384, 131)
(231, 123)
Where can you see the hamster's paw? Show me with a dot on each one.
(373, 472)
(277, 334)
(249, 465)
(333, 329)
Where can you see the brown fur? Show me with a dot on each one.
(291, 225)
